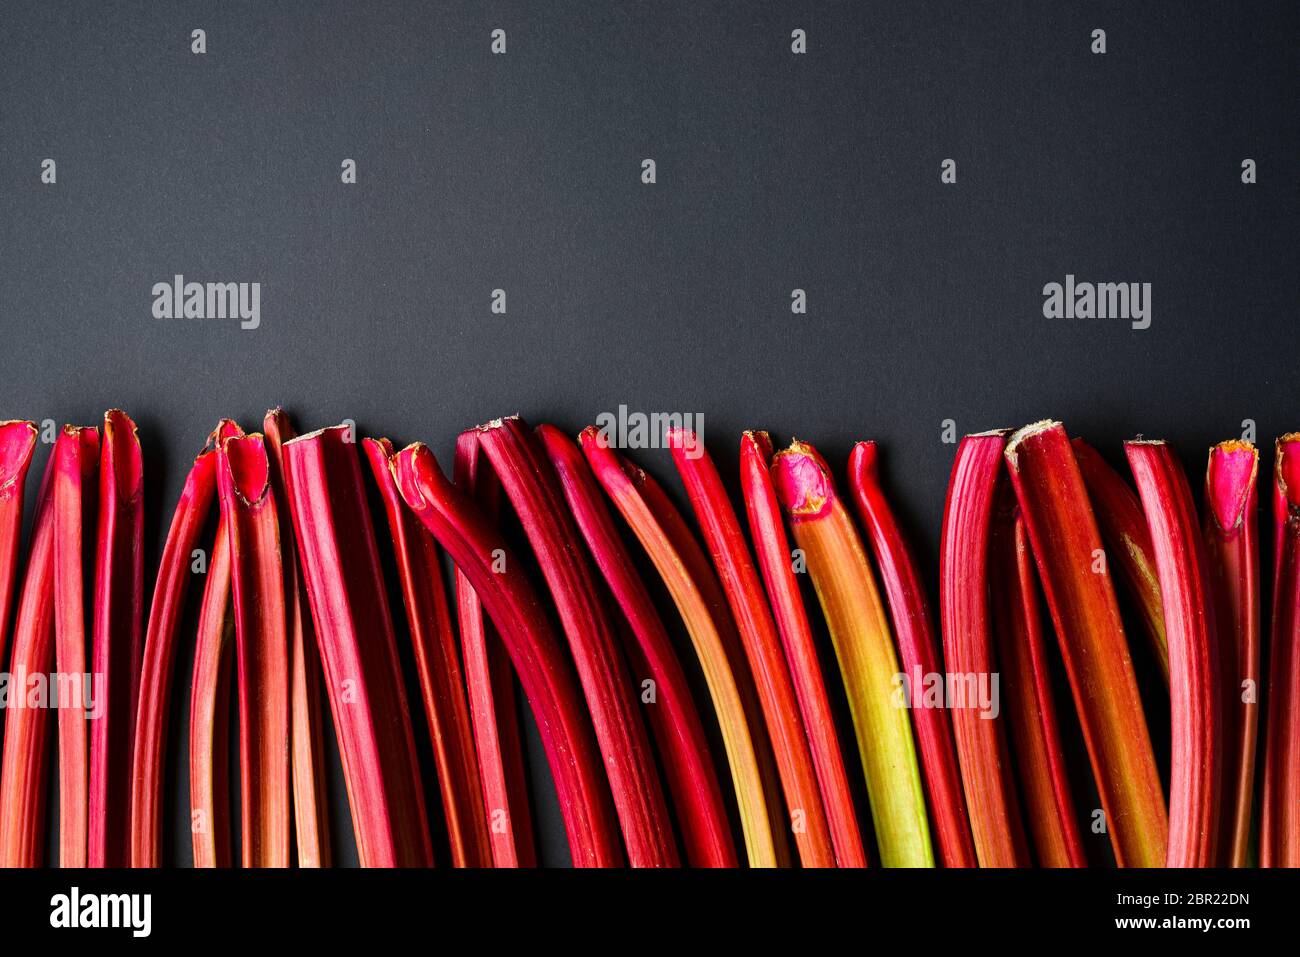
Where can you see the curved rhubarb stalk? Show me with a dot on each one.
(117, 644)
(22, 776)
(262, 650)
(966, 623)
(1040, 759)
(489, 679)
(552, 690)
(1279, 834)
(772, 548)
(1128, 541)
(1232, 547)
(76, 455)
(307, 734)
(1194, 691)
(17, 441)
(762, 646)
(160, 658)
(914, 632)
(1076, 582)
(441, 683)
(859, 630)
(530, 484)
(676, 724)
(354, 630)
(668, 542)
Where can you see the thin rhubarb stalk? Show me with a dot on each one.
(914, 633)
(354, 630)
(552, 689)
(1027, 692)
(1196, 707)
(966, 622)
(214, 657)
(261, 644)
(490, 684)
(117, 645)
(22, 774)
(762, 645)
(160, 658)
(530, 484)
(306, 721)
(1232, 546)
(1076, 582)
(419, 568)
(1279, 836)
(668, 548)
(1128, 540)
(859, 630)
(676, 724)
(76, 459)
(17, 441)
(772, 547)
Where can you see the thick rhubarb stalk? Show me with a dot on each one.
(419, 569)
(1194, 683)
(1128, 542)
(1027, 693)
(735, 569)
(842, 576)
(22, 773)
(117, 645)
(530, 484)
(772, 547)
(306, 720)
(966, 623)
(914, 633)
(1076, 581)
(76, 455)
(1279, 836)
(17, 441)
(676, 724)
(480, 552)
(490, 684)
(354, 629)
(1232, 547)
(689, 580)
(160, 657)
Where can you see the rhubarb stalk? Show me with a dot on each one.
(17, 441)
(1076, 582)
(914, 632)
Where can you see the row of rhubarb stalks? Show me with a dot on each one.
(295, 599)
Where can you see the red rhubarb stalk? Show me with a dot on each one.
(479, 550)
(676, 724)
(354, 630)
(1194, 690)
(441, 683)
(1076, 582)
(1027, 693)
(909, 612)
(489, 680)
(735, 568)
(160, 657)
(17, 441)
(76, 459)
(530, 484)
(1232, 546)
(22, 774)
(306, 720)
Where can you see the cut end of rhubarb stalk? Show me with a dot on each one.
(128, 469)
(1229, 478)
(17, 440)
(802, 482)
(1288, 468)
(248, 466)
(864, 460)
(1020, 435)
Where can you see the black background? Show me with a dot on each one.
(775, 172)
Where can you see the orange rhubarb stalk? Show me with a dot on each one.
(1076, 582)
(914, 631)
(420, 572)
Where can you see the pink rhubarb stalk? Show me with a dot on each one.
(17, 441)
